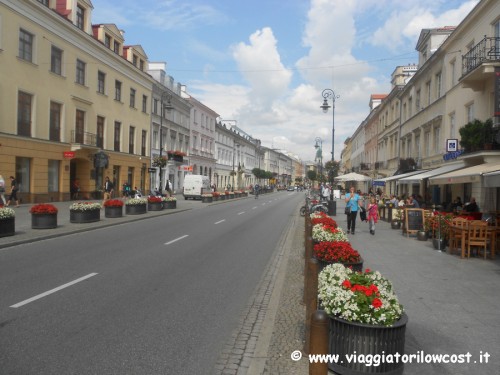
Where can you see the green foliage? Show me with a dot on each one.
(475, 134)
(312, 175)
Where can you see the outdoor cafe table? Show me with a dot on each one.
(491, 230)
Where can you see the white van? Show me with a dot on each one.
(195, 185)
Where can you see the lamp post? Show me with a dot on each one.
(330, 94)
(234, 145)
(168, 106)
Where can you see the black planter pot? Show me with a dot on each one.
(43, 221)
(347, 338)
(207, 199)
(8, 227)
(439, 243)
(88, 216)
(396, 224)
(135, 209)
(422, 236)
(113, 212)
(170, 204)
(155, 206)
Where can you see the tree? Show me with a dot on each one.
(312, 175)
(475, 134)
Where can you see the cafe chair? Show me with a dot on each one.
(458, 225)
(477, 236)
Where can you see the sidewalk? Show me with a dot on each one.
(24, 233)
(452, 303)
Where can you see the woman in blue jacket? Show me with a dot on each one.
(351, 200)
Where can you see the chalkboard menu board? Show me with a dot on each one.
(414, 220)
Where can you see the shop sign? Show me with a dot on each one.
(68, 154)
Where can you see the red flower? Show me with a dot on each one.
(376, 303)
(336, 252)
(113, 203)
(43, 208)
(154, 199)
(324, 219)
(346, 284)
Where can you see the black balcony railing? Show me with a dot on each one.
(84, 138)
(487, 50)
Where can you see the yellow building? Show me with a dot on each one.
(76, 101)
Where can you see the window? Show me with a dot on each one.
(453, 126)
(118, 126)
(116, 47)
(101, 82)
(100, 132)
(56, 60)
(132, 98)
(427, 137)
(24, 114)
(44, 2)
(417, 101)
(80, 17)
(143, 142)
(410, 107)
(53, 175)
(80, 72)
(428, 89)
(118, 90)
(453, 73)
(134, 60)
(55, 122)
(141, 65)
(470, 112)
(438, 85)
(23, 172)
(107, 40)
(26, 45)
(79, 126)
(144, 103)
(131, 136)
(155, 106)
(437, 140)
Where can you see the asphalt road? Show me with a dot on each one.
(156, 296)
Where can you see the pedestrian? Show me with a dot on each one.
(168, 188)
(351, 200)
(108, 190)
(372, 215)
(75, 189)
(14, 188)
(2, 190)
(472, 206)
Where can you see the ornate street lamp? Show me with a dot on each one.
(164, 106)
(330, 94)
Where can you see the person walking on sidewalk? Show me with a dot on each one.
(108, 190)
(372, 214)
(13, 191)
(351, 200)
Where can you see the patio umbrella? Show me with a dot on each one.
(352, 177)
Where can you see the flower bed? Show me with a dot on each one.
(113, 203)
(155, 199)
(43, 208)
(7, 222)
(136, 201)
(136, 206)
(84, 206)
(327, 232)
(336, 252)
(358, 297)
(322, 218)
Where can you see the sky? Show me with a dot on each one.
(265, 63)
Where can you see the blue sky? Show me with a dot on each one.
(265, 63)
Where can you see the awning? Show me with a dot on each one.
(415, 179)
(402, 175)
(491, 179)
(465, 175)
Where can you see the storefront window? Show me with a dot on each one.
(23, 174)
(54, 167)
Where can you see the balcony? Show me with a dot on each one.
(478, 65)
(83, 139)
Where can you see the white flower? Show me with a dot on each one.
(6, 213)
(85, 206)
(136, 201)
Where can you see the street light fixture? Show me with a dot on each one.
(163, 106)
(330, 94)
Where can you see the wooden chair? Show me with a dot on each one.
(456, 235)
(477, 235)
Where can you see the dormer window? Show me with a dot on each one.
(107, 40)
(44, 2)
(116, 47)
(134, 60)
(80, 17)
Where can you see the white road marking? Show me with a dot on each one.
(220, 221)
(177, 239)
(241, 213)
(253, 208)
(22, 303)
